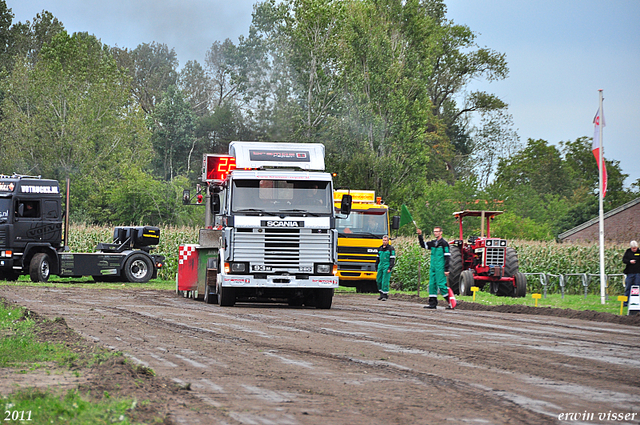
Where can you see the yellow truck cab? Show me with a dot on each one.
(359, 237)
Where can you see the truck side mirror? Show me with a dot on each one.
(345, 204)
(21, 210)
(186, 197)
(395, 222)
(215, 203)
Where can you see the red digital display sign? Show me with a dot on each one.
(216, 167)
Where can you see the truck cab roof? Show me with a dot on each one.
(27, 185)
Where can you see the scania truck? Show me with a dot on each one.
(270, 228)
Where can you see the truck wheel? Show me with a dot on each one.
(520, 290)
(138, 268)
(227, 297)
(40, 268)
(324, 298)
(209, 297)
(455, 268)
(511, 265)
(465, 282)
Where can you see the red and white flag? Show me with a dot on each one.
(597, 121)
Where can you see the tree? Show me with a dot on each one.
(172, 125)
(72, 116)
(152, 68)
(493, 140)
(197, 87)
(540, 166)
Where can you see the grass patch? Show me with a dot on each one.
(88, 282)
(573, 302)
(35, 406)
(21, 349)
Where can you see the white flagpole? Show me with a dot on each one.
(601, 204)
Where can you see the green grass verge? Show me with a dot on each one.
(573, 302)
(88, 282)
(20, 349)
(34, 406)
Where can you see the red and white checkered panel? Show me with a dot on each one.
(188, 268)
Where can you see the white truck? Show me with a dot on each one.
(270, 228)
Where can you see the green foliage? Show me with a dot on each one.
(71, 408)
(172, 124)
(412, 262)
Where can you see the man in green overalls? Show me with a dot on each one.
(439, 268)
(386, 260)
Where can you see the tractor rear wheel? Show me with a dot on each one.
(520, 289)
(455, 268)
(511, 262)
(466, 282)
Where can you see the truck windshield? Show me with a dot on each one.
(5, 204)
(364, 223)
(286, 196)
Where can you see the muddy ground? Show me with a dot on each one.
(362, 362)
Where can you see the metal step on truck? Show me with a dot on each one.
(270, 228)
(32, 242)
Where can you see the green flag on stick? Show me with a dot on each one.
(405, 216)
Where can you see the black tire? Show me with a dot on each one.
(324, 297)
(138, 268)
(520, 289)
(466, 282)
(226, 296)
(511, 265)
(455, 269)
(209, 297)
(40, 267)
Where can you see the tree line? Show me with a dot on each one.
(383, 84)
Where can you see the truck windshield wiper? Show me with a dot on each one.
(254, 210)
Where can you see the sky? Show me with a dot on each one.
(559, 53)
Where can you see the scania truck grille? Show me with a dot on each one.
(281, 248)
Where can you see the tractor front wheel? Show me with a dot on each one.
(466, 282)
(520, 289)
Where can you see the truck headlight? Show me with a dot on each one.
(323, 268)
(238, 267)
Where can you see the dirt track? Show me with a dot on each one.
(362, 362)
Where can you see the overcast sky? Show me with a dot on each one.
(560, 53)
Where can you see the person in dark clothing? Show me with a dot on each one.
(439, 268)
(385, 262)
(631, 259)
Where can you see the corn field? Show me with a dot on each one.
(534, 257)
(83, 238)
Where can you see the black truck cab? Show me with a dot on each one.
(30, 221)
(31, 240)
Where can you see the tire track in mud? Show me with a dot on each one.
(298, 364)
(388, 367)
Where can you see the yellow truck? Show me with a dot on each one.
(359, 237)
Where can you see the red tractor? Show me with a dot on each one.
(483, 259)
